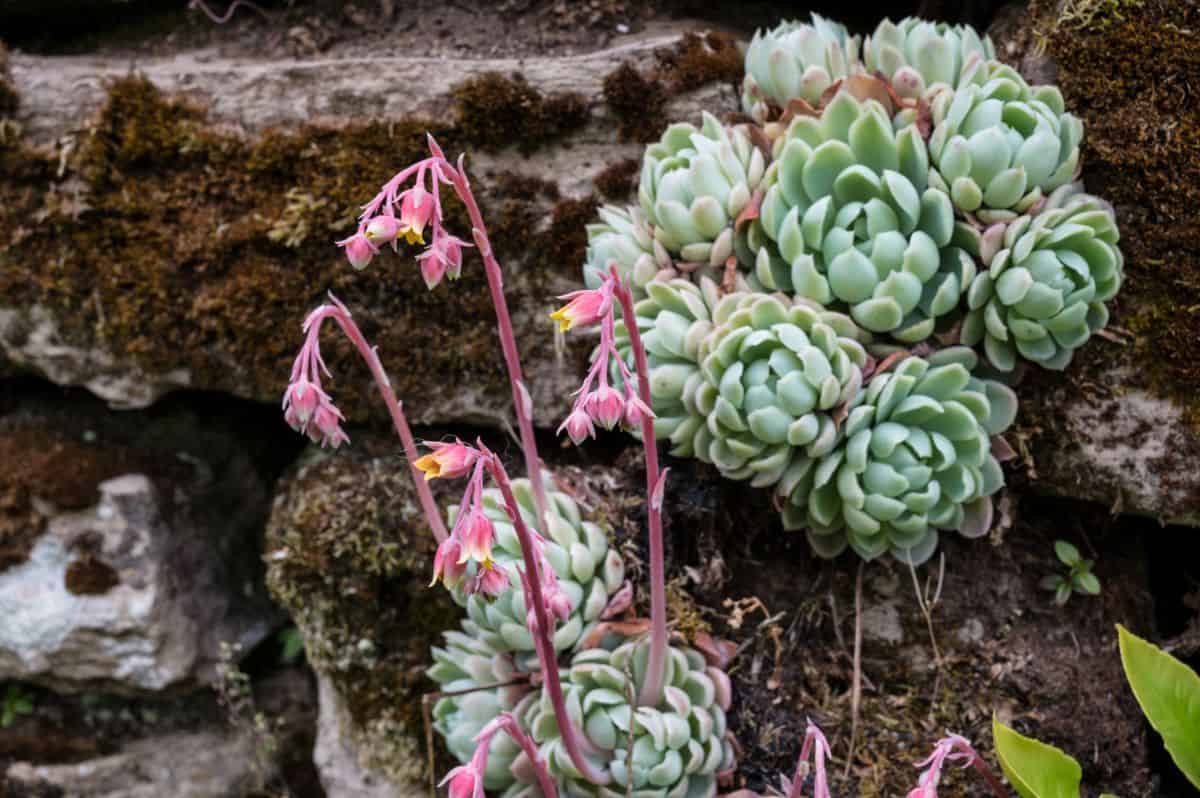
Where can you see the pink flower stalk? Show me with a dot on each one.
(309, 410)
(469, 777)
(542, 596)
(952, 748)
(816, 745)
(607, 407)
(419, 206)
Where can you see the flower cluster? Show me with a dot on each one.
(306, 407)
(397, 213)
(601, 404)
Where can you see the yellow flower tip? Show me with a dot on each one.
(429, 465)
(564, 320)
(413, 236)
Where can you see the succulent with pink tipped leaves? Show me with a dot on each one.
(1000, 147)
(623, 238)
(774, 371)
(589, 571)
(678, 746)
(795, 61)
(848, 219)
(694, 183)
(915, 458)
(468, 662)
(916, 55)
(1043, 293)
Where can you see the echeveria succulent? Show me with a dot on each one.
(675, 749)
(694, 183)
(916, 55)
(999, 147)
(796, 60)
(468, 665)
(915, 459)
(774, 370)
(588, 570)
(848, 220)
(1043, 295)
(623, 238)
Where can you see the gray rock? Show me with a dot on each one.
(115, 594)
(204, 764)
(336, 754)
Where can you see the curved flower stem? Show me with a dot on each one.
(341, 315)
(522, 402)
(509, 724)
(993, 783)
(571, 736)
(657, 662)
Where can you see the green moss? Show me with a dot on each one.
(1127, 74)
(167, 249)
(496, 112)
(348, 556)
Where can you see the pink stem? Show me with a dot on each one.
(522, 403)
(993, 783)
(542, 635)
(657, 662)
(545, 781)
(432, 514)
(798, 778)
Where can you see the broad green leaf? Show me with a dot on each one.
(1067, 554)
(1034, 769)
(1169, 694)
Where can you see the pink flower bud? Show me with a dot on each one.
(636, 412)
(433, 269)
(559, 604)
(359, 250)
(449, 460)
(383, 229)
(585, 308)
(489, 580)
(578, 426)
(606, 406)
(465, 782)
(416, 208)
(477, 544)
(446, 566)
(325, 425)
(303, 398)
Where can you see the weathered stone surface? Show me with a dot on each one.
(202, 764)
(128, 546)
(336, 756)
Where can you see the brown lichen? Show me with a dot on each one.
(496, 112)
(637, 102)
(20, 525)
(618, 181)
(90, 576)
(1130, 77)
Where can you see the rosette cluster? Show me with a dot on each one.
(849, 220)
(675, 748)
(826, 292)
(494, 646)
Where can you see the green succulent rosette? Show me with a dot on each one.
(588, 571)
(1043, 295)
(849, 220)
(774, 370)
(796, 60)
(623, 238)
(672, 750)
(917, 56)
(468, 665)
(915, 458)
(694, 183)
(1000, 147)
